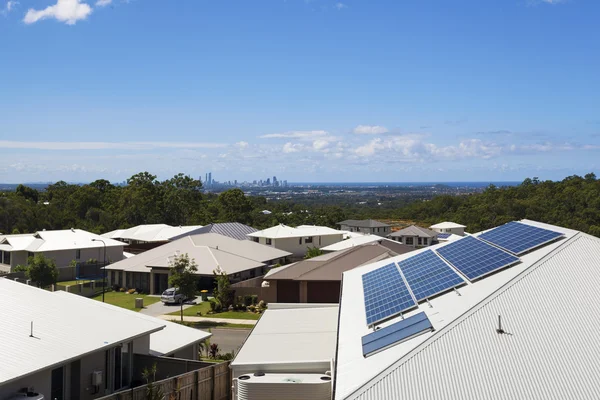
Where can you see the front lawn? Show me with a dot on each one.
(204, 308)
(72, 283)
(124, 300)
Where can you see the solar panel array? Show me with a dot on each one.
(519, 238)
(443, 235)
(396, 333)
(475, 258)
(428, 275)
(385, 293)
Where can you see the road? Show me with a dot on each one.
(229, 339)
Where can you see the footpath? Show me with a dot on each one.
(208, 319)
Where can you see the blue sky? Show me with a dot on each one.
(308, 90)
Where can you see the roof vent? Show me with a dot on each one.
(72, 229)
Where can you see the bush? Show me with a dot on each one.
(122, 290)
(251, 308)
(213, 305)
(116, 287)
(227, 356)
(230, 308)
(254, 299)
(131, 291)
(247, 300)
(262, 305)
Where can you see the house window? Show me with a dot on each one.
(409, 240)
(420, 241)
(300, 241)
(308, 240)
(78, 254)
(268, 242)
(6, 257)
(255, 239)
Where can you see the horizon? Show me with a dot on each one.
(307, 90)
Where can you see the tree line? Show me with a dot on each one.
(101, 206)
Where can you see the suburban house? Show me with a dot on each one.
(63, 246)
(144, 237)
(317, 280)
(365, 226)
(240, 259)
(449, 227)
(361, 239)
(300, 357)
(414, 236)
(503, 313)
(297, 240)
(234, 230)
(64, 346)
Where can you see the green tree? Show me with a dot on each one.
(153, 392)
(313, 252)
(223, 293)
(182, 276)
(234, 206)
(42, 270)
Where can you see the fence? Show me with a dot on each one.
(253, 287)
(210, 383)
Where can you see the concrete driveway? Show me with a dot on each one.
(159, 308)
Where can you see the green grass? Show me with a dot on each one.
(212, 324)
(71, 283)
(204, 308)
(127, 301)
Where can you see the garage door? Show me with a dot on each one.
(288, 292)
(323, 292)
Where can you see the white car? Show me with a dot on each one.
(172, 295)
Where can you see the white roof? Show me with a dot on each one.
(67, 239)
(171, 338)
(283, 231)
(437, 374)
(209, 250)
(63, 329)
(447, 225)
(299, 335)
(152, 232)
(354, 241)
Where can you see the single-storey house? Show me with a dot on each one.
(449, 227)
(144, 237)
(414, 236)
(233, 230)
(240, 259)
(365, 226)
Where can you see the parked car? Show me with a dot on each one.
(172, 295)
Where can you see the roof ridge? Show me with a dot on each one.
(460, 319)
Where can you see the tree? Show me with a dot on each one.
(223, 293)
(235, 206)
(182, 276)
(152, 392)
(313, 252)
(42, 270)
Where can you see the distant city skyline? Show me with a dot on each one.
(320, 90)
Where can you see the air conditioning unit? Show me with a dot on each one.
(283, 387)
(96, 378)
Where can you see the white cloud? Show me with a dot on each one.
(103, 3)
(10, 5)
(320, 144)
(370, 130)
(242, 145)
(7, 144)
(292, 148)
(295, 134)
(340, 6)
(67, 11)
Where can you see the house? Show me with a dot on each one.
(144, 237)
(240, 259)
(510, 316)
(298, 362)
(297, 240)
(317, 280)
(414, 236)
(449, 227)
(65, 346)
(234, 230)
(63, 246)
(365, 226)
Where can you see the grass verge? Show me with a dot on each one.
(204, 308)
(125, 300)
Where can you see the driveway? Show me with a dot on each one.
(159, 308)
(229, 339)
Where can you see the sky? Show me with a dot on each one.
(307, 90)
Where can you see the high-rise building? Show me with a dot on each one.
(209, 179)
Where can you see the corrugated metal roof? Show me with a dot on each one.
(550, 351)
(62, 329)
(363, 223)
(283, 231)
(234, 230)
(153, 232)
(353, 241)
(413, 230)
(66, 239)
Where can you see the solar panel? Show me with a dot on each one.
(428, 275)
(519, 238)
(386, 293)
(475, 258)
(443, 235)
(396, 333)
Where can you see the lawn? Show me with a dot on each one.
(71, 283)
(204, 308)
(125, 300)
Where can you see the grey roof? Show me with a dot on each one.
(234, 230)
(414, 230)
(363, 223)
(396, 247)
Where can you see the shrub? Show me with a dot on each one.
(122, 290)
(262, 304)
(213, 305)
(247, 300)
(116, 287)
(251, 308)
(254, 299)
(227, 356)
(230, 308)
(131, 291)
(213, 350)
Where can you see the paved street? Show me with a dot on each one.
(229, 339)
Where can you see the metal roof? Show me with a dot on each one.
(414, 230)
(66, 239)
(210, 251)
(63, 329)
(153, 232)
(447, 225)
(282, 231)
(460, 356)
(351, 242)
(291, 336)
(363, 223)
(234, 230)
